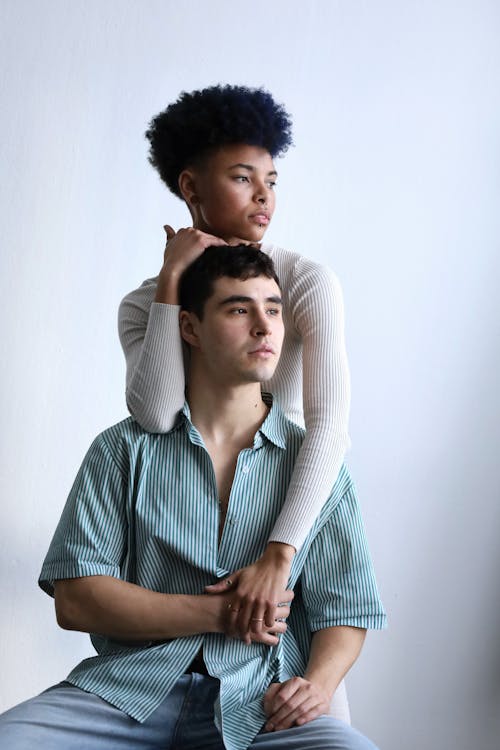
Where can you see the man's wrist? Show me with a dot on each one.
(325, 680)
(215, 609)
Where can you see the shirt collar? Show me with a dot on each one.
(273, 428)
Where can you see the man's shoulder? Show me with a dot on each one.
(127, 430)
(125, 440)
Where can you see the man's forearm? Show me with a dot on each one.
(124, 611)
(333, 652)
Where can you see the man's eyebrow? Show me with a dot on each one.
(235, 298)
(250, 168)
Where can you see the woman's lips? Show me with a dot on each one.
(260, 218)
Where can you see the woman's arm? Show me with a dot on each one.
(316, 302)
(150, 338)
(148, 326)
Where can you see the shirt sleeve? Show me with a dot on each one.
(338, 579)
(315, 297)
(91, 537)
(152, 344)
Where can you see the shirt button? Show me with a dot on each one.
(246, 469)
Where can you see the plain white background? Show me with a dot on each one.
(393, 181)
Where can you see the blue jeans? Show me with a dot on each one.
(67, 718)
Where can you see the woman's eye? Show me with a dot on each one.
(241, 178)
(274, 311)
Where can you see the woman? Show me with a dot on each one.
(214, 149)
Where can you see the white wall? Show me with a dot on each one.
(394, 182)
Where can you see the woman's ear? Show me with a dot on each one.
(187, 186)
(188, 325)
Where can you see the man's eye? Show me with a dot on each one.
(271, 184)
(238, 310)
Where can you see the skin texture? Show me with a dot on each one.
(130, 613)
(241, 332)
(231, 199)
(229, 204)
(302, 699)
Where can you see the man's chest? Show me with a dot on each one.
(204, 515)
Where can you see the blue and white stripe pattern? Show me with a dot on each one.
(144, 508)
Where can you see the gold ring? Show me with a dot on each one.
(257, 619)
(229, 582)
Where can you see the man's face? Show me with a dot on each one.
(241, 334)
(235, 193)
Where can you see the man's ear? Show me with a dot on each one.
(189, 325)
(187, 186)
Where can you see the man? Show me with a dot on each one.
(153, 519)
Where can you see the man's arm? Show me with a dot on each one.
(302, 699)
(125, 611)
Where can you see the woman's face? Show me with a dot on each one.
(233, 193)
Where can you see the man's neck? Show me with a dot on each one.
(226, 415)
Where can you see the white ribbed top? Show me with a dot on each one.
(311, 381)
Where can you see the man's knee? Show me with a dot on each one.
(323, 733)
(349, 738)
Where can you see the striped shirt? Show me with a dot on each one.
(311, 381)
(144, 508)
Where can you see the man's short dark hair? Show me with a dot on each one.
(238, 262)
(200, 122)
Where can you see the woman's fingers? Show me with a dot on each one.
(169, 231)
(226, 584)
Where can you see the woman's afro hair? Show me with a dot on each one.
(200, 122)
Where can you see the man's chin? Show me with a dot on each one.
(260, 374)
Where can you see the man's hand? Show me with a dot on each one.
(182, 248)
(293, 703)
(256, 592)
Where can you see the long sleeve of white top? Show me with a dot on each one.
(311, 381)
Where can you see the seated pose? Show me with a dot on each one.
(214, 149)
(152, 519)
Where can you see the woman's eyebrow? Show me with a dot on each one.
(250, 168)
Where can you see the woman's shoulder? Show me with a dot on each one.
(143, 295)
(294, 269)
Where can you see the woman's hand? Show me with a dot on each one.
(293, 703)
(182, 248)
(258, 589)
(269, 636)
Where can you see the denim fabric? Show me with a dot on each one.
(67, 718)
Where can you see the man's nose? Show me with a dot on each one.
(261, 326)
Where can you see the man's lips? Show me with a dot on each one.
(263, 351)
